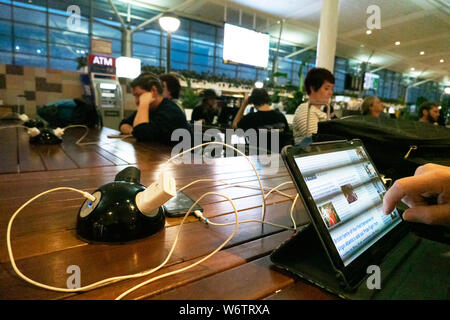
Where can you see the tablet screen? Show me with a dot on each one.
(348, 194)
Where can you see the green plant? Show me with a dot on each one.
(294, 102)
(82, 62)
(189, 99)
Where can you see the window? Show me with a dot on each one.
(5, 28)
(30, 46)
(29, 31)
(5, 57)
(69, 38)
(5, 11)
(30, 60)
(26, 26)
(30, 16)
(63, 64)
(147, 38)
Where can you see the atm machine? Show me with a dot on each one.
(102, 87)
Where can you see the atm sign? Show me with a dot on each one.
(101, 64)
(101, 60)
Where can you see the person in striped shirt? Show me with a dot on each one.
(319, 85)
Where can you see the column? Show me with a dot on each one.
(326, 42)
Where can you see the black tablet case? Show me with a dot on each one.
(416, 268)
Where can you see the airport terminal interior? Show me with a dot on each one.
(224, 150)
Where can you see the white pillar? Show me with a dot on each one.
(326, 42)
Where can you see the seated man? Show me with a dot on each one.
(207, 110)
(319, 84)
(171, 88)
(157, 117)
(373, 107)
(429, 113)
(264, 118)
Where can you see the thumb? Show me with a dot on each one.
(436, 214)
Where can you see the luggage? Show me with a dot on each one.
(397, 147)
(67, 111)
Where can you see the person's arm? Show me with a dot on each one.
(427, 193)
(126, 125)
(320, 114)
(240, 113)
(142, 116)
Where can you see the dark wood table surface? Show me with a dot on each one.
(45, 243)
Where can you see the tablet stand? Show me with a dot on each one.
(414, 269)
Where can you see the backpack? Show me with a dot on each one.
(397, 147)
(66, 112)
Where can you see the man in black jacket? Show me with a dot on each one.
(156, 117)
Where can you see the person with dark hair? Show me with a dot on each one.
(156, 117)
(373, 107)
(264, 118)
(171, 88)
(429, 112)
(207, 110)
(319, 85)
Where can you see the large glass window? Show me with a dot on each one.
(41, 32)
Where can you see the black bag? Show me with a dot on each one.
(66, 112)
(85, 113)
(397, 147)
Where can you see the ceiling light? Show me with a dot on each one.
(397, 43)
(169, 22)
(441, 61)
(369, 32)
(412, 69)
(422, 53)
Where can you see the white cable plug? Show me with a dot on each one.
(33, 132)
(23, 117)
(158, 193)
(58, 132)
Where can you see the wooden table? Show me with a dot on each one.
(45, 243)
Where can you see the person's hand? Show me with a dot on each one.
(245, 97)
(146, 99)
(126, 129)
(427, 194)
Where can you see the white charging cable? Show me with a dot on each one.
(238, 151)
(140, 274)
(236, 223)
(59, 132)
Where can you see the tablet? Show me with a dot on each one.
(343, 193)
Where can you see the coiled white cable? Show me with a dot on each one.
(140, 274)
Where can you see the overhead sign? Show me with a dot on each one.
(101, 46)
(101, 64)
